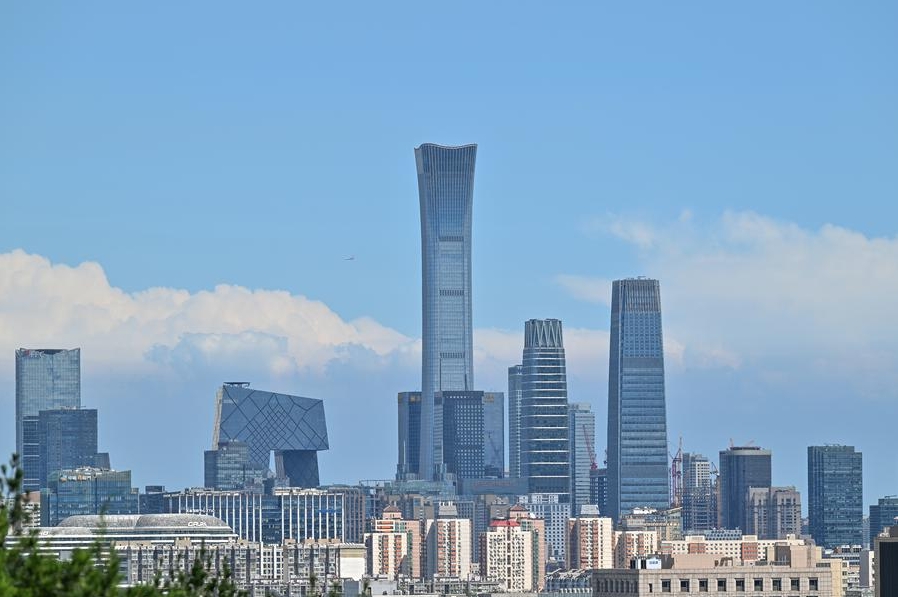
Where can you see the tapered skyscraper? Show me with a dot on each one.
(637, 416)
(446, 194)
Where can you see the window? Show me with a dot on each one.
(740, 585)
(794, 585)
(703, 585)
(684, 585)
(777, 584)
(759, 584)
(721, 584)
(665, 585)
(813, 585)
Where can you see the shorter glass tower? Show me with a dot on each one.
(68, 439)
(409, 410)
(835, 495)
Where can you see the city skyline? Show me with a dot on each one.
(187, 216)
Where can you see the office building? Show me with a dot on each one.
(699, 513)
(463, 434)
(493, 435)
(446, 194)
(228, 467)
(582, 433)
(883, 514)
(506, 555)
(590, 540)
(448, 541)
(545, 445)
(835, 495)
(741, 468)
(637, 416)
(773, 512)
(747, 549)
(555, 514)
(885, 563)
(67, 439)
(515, 379)
(409, 407)
(87, 491)
(46, 379)
(292, 426)
(792, 570)
(598, 489)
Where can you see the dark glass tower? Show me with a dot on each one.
(446, 194)
(292, 427)
(462, 433)
(409, 410)
(741, 468)
(883, 514)
(493, 434)
(582, 433)
(698, 500)
(515, 373)
(545, 445)
(46, 379)
(637, 416)
(68, 440)
(835, 495)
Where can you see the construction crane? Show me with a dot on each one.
(590, 449)
(676, 477)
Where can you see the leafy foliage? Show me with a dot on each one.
(27, 572)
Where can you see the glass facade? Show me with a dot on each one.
(637, 415)
(741, 468)
(409, 407)
(493, 434)
(699, 513)
(883, 514)
(835, 495)
(292, 426)
(463, 433)
(88, 490)
(582, 431)
(545, 444)
(515, 375)
(446, 193)
(67, 440)
(46, 379)
(598, 489)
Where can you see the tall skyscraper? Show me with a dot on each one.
(68, 440)
(699, 513)
(293, 427)
(835, 495)
(637, 415)
(582, 433)
(515, 376)
(409, 407)
(493, 434)
(46, 379)
(446, 194)
(545, 445)
(741, 468)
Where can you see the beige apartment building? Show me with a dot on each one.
(394, 546)
(506, 556)
(633, 544)
(448, 544)
(590, 541)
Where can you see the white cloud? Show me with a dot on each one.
(586, 288)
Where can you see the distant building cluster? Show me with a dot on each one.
(489, 496)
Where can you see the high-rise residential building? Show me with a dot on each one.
(633, 544)
(493, 434)
(446, 194)
(394, 546)
(884, 513)
(506, 555)
(46, 379)
(698, 501)
(448, 540)
(835, 495)
(515, 378)
(773, 512)
(637, 415)
(582, 433)
(68, 439)
(409, 404)
(545, 445)
(537, 527)
(293, 427)
(555, 514)
(590, 540)
(740, 468)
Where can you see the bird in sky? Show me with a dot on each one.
(350, 258)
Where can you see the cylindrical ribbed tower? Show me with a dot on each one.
(446, 193)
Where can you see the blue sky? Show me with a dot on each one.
(158, 161)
